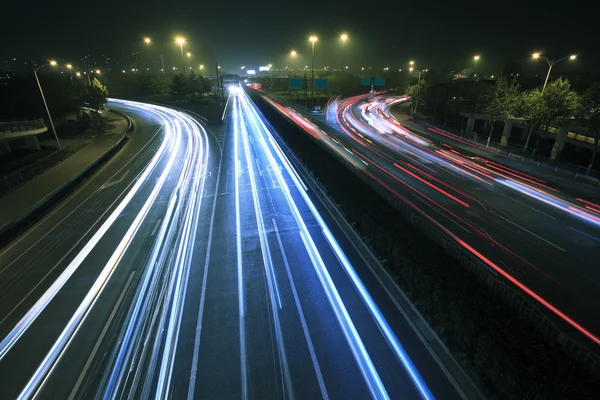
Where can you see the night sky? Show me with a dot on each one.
(436, 34)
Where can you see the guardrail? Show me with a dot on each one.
(24, 174)
(130, 126)
(526, 157)
(15, 126)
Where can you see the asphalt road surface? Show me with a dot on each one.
(544, 241)
(195, 265)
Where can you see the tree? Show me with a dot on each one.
(588, 115)
(95, 96)
(556, 105)
(179, 87)
(560, 102)
(417, 92)
(499, 101)
(151, 84)
(204, 85)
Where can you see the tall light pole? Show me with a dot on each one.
(475, 59)
(147, 40)
(53, 63)
(181, 41)
(293, 54)
(313, 39)
(411, 69)
(189, 56)
(343, 38)
(551, 63)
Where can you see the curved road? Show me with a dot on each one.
(544, 241)
(196, 264)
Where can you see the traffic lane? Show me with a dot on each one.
(395, 378)
(211, 359)
(576, 318)
(38, 257)
(504, 218)
(315, 345)
(275, 366)
(524, 266)
(212, 262)
(40, 336)
(391, 372)
(26, 278)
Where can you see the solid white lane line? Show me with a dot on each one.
(100, 338)
(528, 231)
(194, 369)
(311, 348)
(240, 270)
(526, 205)
(156, 227)
(51, 292)
(269, 269)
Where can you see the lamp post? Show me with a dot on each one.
(147, 40)
(551, 63)
(189, 56)
(181, 41)
(313, 39)
(343, 38)
(475, 59)
(53, 63)
(411, 69)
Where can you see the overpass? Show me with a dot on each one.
(20, 133)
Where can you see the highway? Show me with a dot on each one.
(542, 240)
(196, 264)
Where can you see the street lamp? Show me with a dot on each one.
(343, 38)
(69, 66)
(147, 41)
(411, 69)
(201, 67)
(551, 63)
(475, 59)
(189, 56)
(180, 41)
(53, 63)
(313, 39)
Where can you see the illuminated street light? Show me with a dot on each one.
(97, 71)
(243, 67)
(78, 73)
(343, 38)
(412, 63)
(270, 65)
(189, 56)
(313, 39)
(180, 41)
(69, 66)
(293, 53)
(201, 66)
(148, 41)
(411, 69)
(551, 63)
(53, 63)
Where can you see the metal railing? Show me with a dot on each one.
(527, 158)
(14, 179)
(12, 126)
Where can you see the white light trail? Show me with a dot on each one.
(371, 375)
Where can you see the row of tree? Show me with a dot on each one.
(556, 105)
